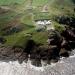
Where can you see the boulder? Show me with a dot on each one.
(36, 62)
(65, 44)
(72, 44)
(64, 52)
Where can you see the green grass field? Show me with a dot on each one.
(9, 2)
(19, 9)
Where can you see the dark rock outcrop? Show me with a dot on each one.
(65, 45)
(2, 40)
(29, 46)
(54, 38)
(69, 35)
(66, 20)
(64, 53)
(45, 52)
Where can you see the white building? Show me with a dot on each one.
(44, 24)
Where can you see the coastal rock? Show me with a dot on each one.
(64, 53)
(54, 38)
(65, 44)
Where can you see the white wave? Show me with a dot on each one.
(73, 56)
(34, 67)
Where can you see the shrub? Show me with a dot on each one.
(59, 28)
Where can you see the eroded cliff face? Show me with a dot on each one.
(58, 45)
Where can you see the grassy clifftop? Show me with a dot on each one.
(16, 13)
